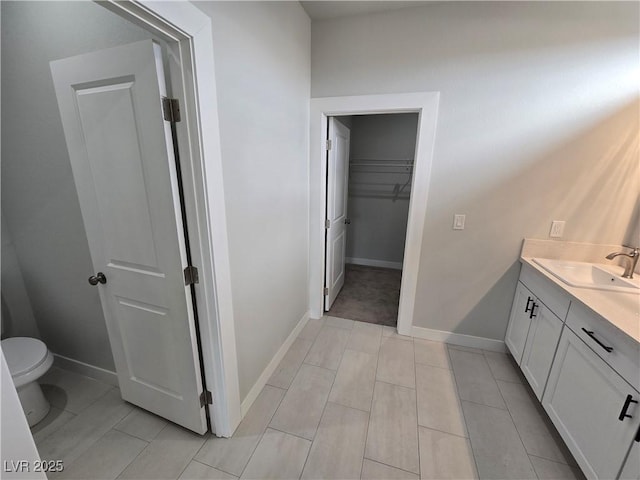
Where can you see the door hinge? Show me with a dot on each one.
(328, 144)
(326, 290)
(206, 398)
(327, 224)
(191, 275)
(171, 109)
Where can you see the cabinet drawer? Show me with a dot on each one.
(624, 356)
(553, 297)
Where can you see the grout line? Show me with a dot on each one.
(524, 448)
(324, 408)
(443, 431)
(375, 376)
(391, 466)
(466, 425)
(415, 382)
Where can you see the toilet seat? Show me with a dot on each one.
(27, 359)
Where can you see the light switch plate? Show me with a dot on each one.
(557, 229)
(458, 221)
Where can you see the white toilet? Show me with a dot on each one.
(28, 359)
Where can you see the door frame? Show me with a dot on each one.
(189, 31)
(425, 104)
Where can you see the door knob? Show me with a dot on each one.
(97, 278)
(347, 221)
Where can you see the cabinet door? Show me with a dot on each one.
(584, 399)
(519, 321)
(544, 334)
(631, 470)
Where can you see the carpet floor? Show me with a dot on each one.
(370, 294)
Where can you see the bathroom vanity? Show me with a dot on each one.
(579, 349)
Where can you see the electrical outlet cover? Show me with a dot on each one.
(557, 229)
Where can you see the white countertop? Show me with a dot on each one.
(620, 309)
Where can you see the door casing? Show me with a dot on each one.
(426, 105)
(188, 32)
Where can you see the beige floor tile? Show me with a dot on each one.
(142, 424)
(77, 435)
(497, 448)
(355, 378)
(474, 379)
(278, 456)
(393, 428)
(396, 363)
(538, 437)
(290, 363)
(55, 419)
(301, 408)
(200, 471)
(105, 459)
(438, 403)
(71, 391)
(232, 454)
(431, 353)
(443, 455)
(166, 456)
(393, 333)
(312, 328)
(338, 448)
(339, 322)
(548, 470)
(377, 471)
(326, 351)
(365, 337)
(503, 367)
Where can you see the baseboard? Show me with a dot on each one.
(367, 262)
(459, 339)
(97, 373)
(271, 367)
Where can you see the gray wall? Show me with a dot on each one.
(39, 198)
(262, 60)
(538, 121)
(378, 219)
(17, 315)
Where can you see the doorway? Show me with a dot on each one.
(425, 104)
(379, 174)
(181, 27)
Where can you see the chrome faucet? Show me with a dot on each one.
(632, 260)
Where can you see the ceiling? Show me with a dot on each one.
(322, 10)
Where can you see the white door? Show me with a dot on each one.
(519, 322)
(123, 165)
(336, 228)
(542, 340)
(585, 399)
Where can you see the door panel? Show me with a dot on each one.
(337, 184)
(122, 160)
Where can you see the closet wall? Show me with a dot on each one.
(379, 187)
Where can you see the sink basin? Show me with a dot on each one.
(590, 275)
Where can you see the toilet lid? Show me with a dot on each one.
(23, 354)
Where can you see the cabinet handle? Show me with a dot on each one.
(590, 333)
(625, 407)
(529, 300)
(533, 307)
(637, 439)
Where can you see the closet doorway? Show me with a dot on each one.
(370, 160)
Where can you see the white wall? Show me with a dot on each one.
(39, 197)
(17, 315)
(378, 219)
(538, 122)
(262, 57)
(16, 442)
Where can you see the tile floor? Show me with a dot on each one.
(349, 400)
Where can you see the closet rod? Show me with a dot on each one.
(388, 165)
